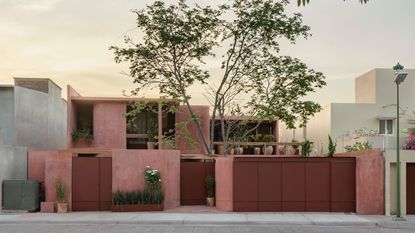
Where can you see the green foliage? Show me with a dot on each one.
(306, 148)
(304, 2)
(268, 138)
(210, 186)
(331, 148)
(60, 191)
(81, 133)
(137, 197)
(152, 178)
(358, 146)
(262, 138)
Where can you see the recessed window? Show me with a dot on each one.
(386, 126)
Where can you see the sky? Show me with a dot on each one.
(68, 40)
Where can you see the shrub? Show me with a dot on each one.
(81, 133)
(410, 142)
(137, 197)
(332, 147)
(306, 150)
(60, 191)
(358, 146)
(152, 179)
(210, 186)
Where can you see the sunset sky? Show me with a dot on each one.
(68, 40)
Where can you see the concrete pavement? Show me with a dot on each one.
(221, 218)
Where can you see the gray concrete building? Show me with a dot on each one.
(32, 116)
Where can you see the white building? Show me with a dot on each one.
(374, 109)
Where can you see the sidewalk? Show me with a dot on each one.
(326, 219)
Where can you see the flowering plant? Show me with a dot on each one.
(410, 142)
(152, 178)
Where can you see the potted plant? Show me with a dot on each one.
(152, 133)
(295, 146)
(82, 138)
(151, 198)
(268, 150)
(306, 150)
(256, 138)
(210, 187)
(331, 147)
(62, 206)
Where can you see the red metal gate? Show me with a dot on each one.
(410, 188)
(192, 181)
(91, 183)
(294, 184)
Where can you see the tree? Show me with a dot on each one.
(177, 39)
(304, 2)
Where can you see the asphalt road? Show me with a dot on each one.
(127, 228)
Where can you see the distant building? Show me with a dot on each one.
(374, 110)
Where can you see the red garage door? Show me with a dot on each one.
(91, 183)
(294, 184)
(410, 188)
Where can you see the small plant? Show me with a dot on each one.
(210, 186)
(60, 191)
(81, 133)
(331, 148)
(152, 178)
(137, 197)
(358, 146)
(306, 150)
(268, 138)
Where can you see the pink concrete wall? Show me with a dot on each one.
(224, 183)
(370, 182)
(110, 125)
(182, 116)
(71, 119)
(128, 171)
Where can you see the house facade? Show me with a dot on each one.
(32, 117)
(372, 117)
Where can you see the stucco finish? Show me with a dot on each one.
(406, 156)
(183, 115)
(224, 183)
(128, 171)
(71, 119)
(110, 125)
(6, 115)
(58, 169)
(370, 198)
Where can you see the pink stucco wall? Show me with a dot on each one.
(71, 119)
(224, 183)
(182, 116)
(370, 170)
(128, 171)
(110, 125)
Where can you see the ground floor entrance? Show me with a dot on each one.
(91, 183)
(193, 174)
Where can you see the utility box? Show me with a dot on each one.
(21, 195)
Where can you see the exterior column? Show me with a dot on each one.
(160, 124)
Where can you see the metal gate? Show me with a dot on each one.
(294, 184)
(410, 188)
(91, 183)
(192, 181)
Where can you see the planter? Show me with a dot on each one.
(210, 201)
(151, 145)
(136, 208)
(267, 150)
(62, 207)
(239, 150)
(82, 143)
(257, 150)
(231, 151)
(220, 149)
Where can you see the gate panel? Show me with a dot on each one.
(343, 185)
(105, 183)
(192, 181)
(85, 184)
(293, 186)
(245, 186)
(410, 188)
(270, 186)
(317, 186)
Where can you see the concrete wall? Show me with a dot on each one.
(183, 116)
(406, 156)
(12, 164)
(6, 115)
(128, 171)
(365, 88)
(110, 125)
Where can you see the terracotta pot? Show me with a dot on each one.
(82, 143)
(231, 151)
(136, 208)
(151, 145)
(239, 150)
(210, 201)
(267, 150)
(220, 149)
(257, 150)
(62, 207)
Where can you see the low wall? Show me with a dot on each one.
(370, 198)
(128, 171)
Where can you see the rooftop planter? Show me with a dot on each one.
(82, 138)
